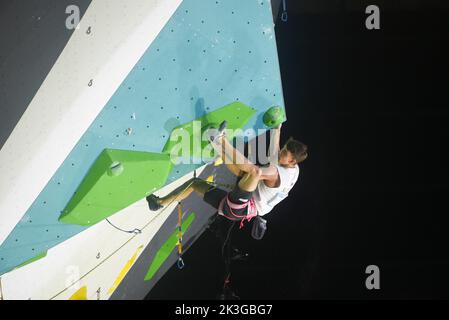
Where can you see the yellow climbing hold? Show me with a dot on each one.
(125, 270)
(218, 162)
(81, 294)
(210, 178)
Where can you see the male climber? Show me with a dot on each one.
(259, 188)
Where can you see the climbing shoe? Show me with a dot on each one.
(219, 132)
(153, 202)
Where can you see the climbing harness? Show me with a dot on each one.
(284, 16)
(250, 206)
(179, 243)
(251, 211)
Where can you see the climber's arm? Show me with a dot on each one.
(275, 138)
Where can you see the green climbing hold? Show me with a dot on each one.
(274, 117)
(117, 179)
(115, 169)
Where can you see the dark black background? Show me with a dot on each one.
(373, 108)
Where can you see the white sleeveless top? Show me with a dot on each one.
(266, 198)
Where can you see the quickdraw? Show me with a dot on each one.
(284, 16)
(179, 243)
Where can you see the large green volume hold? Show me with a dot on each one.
(117, 179)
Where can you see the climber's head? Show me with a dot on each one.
(292, 153)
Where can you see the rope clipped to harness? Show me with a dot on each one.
(180, 262)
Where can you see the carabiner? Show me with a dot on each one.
(180, 263)
(284, 16)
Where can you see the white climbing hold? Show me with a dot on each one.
(115, 169)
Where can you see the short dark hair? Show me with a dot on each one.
(297, 148)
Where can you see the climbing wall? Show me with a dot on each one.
(129, 89)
